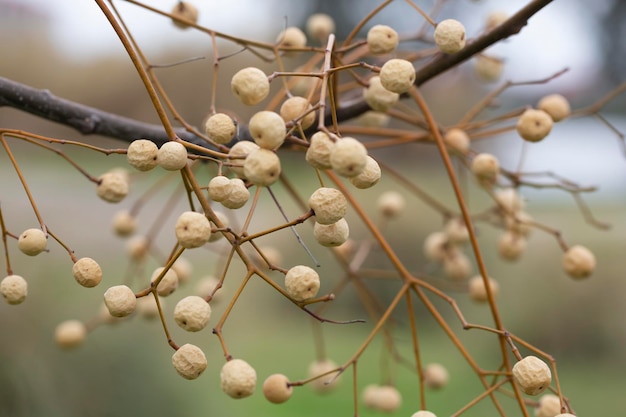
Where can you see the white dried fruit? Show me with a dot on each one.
(32, 242)
(324, 383)
(457, 265)
(456, 230)
(373, 118)
(277, 389)
(147, 307)
(183, 268)
(478, 291)
(485, 167)
(250, 85)
(556, 106)
(238, 195)
(267, 128)
(87, 272)
(192, 229)
(329, 205)
(172, 156)
(302, 282)
(219, 188)
(488, 68)
(70, 334)
(142, 154)
(238, 378)
(534, 125)
(435, 376)
(184, 10)
(291, 37)
(331, 235)
(124, 223)
(348, 157)
(378, 97)
(112, 186)
(14, 289)
(450, 36)
(457, 140)
(137, 247)
(320, 26)
(192, 313)
(511, 245)
(435, 246)
(397, 75)
(549, 405)
(262, 167)
(189, 361)
(384, 398)
(382, 39)
(169, 282)
(369, 176)
(220, 128)
(120, 300)
(206, 286)
(579, 262)
(509, 200)
(391, 204)
(495, 19)
(320, 148)
(298, 109)
(237, 154)
(532, 375)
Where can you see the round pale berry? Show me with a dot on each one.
(532, 375)
(277, 389)
(549, 405)
(382, 39)
(297, 109)
(485, 167)
(378, 97)
(556, 106)
(291, 37)
(186, 11)
(457, 140)
(435, 246)
(520, 223)
(87, 272)
(579, 262)
(192, 229)
(324, 383)
(320, 26)
(456, 230)
(302, 282)
(172, 156)
(220, 128)
(120, 300)
(238, 195)
(333, 234)
(450, 36)
(423, 413)
(348, 157)
(262, 167)
(435, 376)
(250, 85)
(478, 291)
(509, 200)
(369, 176)
(189, 361)
(457, 266)
(32, 242)
(142, 154)
(384, 398)
(192, 313)
(169, 282)
(320, 148)
(488, 68)
(534, 125)
(147, 307)
(137, 247)
(124, 223)
(329, 205)
(183, 268)
(70, 334)
(112, 186)
(267, 128)
(238, 152)
(511, 245)
(14, 289)
(207, 286)
(397, 75)
(219, 187)
(238, 378)
(373, 118)
(391, 204)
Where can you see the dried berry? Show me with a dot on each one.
(184, 10)
(192, 229)
(549, 405)
(219, 188)
(327, 382)
(320, 148)
(137, 247)
(220, 128)
(435, 376)
(277, 389)
(382, 39)
(329, 205)
(369, 176)
(579, 262)
(435, 246)
(423, 413)
(488, 68)
(172, 156)
(32, 242)
(384, 398)
(267, 128)
(169, 282)
(238, 195)
(478, 291)
(532, 375)
(333, 234)
(397, 75)
(120, 300)
(87, 272)
(262, 167)
(391, 204)
(142, 154)
(302, 282)
(457, 266)
(450, 36)
(189, 361)
(511, 245)
(250, 85)
(348, 157)
(378, 97)
(291, 37)
(457, 140)
(14, 289)
(319, 26)
(534, 125)
(192, 313)
(297, 109)
(124, 223)
(556, 106)
(485, 167)
(238, 152)
(112, 186)
(70, 334)
(238, 378)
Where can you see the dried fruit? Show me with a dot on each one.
(397, 75)
(32, 242)
(319, 26)
(267, 128)
(549, 405)
(511, 245)
(238, 378)
(192, 229)
(87, 272)
(112, 186)
(435, 376)
(70, 334)
(192, 313)
(488, 68)
(169, 282)
(579, 262)
(478, 291)
(556, 106)
(184, 10)
(142, 154)
(369, 176)
(485, 167)
(495, 19)
(297, 109)
(189, 361)
(327, 382)
(450, 36)
(276, 388)
(378, 97)
(137, 247)
(348, 157)
(384, 398)
(219, 188)
(120, 300)
(291, 37)
(391, 204)
(14, 289)
(124, 223)
(220, 128)
(435, 246)
(250, 85)
(172, 156)
(320, 148)
(532, 375)
(457, 140)
(238, 195)
(382, 39)
(302, 282)
(333, 234)
(262, 167)
(457, 266)
(238, 152)
(329, 205)
(534, 125)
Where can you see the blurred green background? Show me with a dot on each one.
(125, 368)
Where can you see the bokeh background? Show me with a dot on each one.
(124, 369)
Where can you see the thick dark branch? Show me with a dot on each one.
(89, 120)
